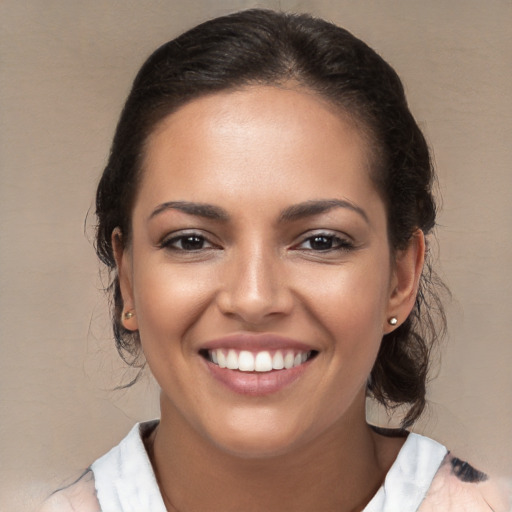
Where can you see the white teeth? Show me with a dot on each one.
(232, 360)
(263, 362)
(278, 361)
(221, 358)
(246, 361)
(288, 360)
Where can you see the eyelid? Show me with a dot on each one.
(167, 240)
(344, 241)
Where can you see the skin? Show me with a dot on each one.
(256, 153)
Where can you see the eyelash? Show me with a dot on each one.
(171, 243)
(336, 243)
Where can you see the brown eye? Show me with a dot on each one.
(187, 242)
(324, 242)
(321, 243)
(192, 243)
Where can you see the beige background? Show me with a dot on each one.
(65, 68)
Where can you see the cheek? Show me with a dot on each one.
(351, 299)
(169, 301)
(349, 306)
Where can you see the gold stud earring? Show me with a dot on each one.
(393, 320)
(129, 314)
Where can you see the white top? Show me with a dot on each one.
(124, 477)
(423, 478)
(410, 476)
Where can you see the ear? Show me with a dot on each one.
(405, 280)
(124, 273)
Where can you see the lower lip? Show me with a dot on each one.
(256, 383)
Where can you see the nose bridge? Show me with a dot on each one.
(254, 286)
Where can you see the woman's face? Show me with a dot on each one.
(259, 242)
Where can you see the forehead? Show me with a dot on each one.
(257, 140)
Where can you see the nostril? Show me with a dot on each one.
(254, 306)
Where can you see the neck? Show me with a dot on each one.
(340, 471)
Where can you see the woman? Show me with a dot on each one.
(264, 210)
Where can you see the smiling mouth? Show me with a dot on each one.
(262, 361)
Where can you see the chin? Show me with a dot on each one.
(255, 439)
(255, 447)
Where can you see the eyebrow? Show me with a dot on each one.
(208, 211)
(290, 214)
(310, 208)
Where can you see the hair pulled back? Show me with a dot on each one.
(273, 48)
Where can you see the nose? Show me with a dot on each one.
(255, 289)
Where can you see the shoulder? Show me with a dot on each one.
(80, 496)
(459, 487)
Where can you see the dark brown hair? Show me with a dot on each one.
(275, 48)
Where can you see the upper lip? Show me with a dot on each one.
(256, 342)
